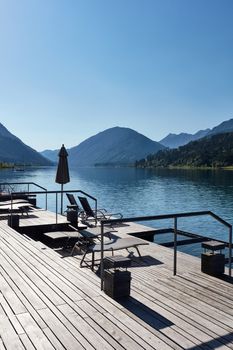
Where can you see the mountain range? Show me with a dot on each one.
(13, 150)
(114, 146)
(177, 140)
(123, 146)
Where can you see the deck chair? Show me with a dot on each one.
(111, 246)
(96, 214)
(95, 234)
(73, 203)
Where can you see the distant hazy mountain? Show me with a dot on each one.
(177, 140)
(226, 126)
(51, 154)
(114, 146)
(13, 150)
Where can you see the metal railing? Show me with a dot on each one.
(12, 192)
(11, 185)
(175, 230)
(56, 192)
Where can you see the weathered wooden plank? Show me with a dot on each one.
(163, 304)
(23, 299)
(122, 334)
(34, 332)
(63, 333)
(2, 347)
(183, 323)
(108, 305)
(83, 327)
(26, 342)
(10, 339)
(53, 339)
(10, 295)
(159, 323)
(48, 275)
(5, 309)
(58, 274)
(29, 275)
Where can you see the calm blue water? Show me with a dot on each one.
(137, 192)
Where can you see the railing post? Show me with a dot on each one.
(56, 208)
(96, 212)
(102, 257)
(175, 247)
(46, 200)
(230, 247)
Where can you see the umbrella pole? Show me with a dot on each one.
(61, 199)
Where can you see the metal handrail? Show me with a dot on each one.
(22, 183)
(12, 193)
(56, 192)
(174, 216)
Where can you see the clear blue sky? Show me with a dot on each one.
(72, 68)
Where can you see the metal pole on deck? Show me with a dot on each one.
(61, 199)
(96, 211)
(230, 247)
(175, 247)
(102, 257)
(56, 207)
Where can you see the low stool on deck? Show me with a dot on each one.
(213, 260)
(116, 277)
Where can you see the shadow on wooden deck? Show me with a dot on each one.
(226, 278)
(145, 261)
(216, 342)
(147, 315)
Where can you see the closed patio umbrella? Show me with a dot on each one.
(62, 176)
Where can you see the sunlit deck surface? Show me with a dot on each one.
(36, 217)
(48, 302)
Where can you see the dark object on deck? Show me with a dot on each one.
(117, 280)
(32, 200)
(72, 210)
(62, 176)
(113, 262)
(213, 245)
(13, 221)
(212, 260)
(72, 216)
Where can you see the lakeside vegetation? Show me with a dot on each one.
(210, 152)
(4, 165)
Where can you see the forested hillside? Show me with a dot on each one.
(214, 151)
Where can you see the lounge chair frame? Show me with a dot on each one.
(111, 246)
(96, 214)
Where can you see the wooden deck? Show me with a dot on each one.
(36, 217)
(48, 302)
